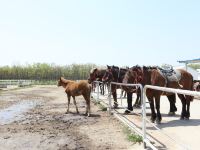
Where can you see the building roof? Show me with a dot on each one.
(190, 61)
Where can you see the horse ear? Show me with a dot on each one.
(109, 67)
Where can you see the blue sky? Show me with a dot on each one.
(114, 32)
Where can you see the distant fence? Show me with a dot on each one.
(20, 83)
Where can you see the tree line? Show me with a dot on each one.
(44, 71)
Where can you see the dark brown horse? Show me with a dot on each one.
(97, 75)
(196, 86)
(116, 74)
(180, 79)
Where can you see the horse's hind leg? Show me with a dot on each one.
(188, 99)
(75, 104)
(87, 99)
(115, 99)
(183, 100)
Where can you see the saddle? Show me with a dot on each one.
(170, 74)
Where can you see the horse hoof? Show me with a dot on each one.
(127, 112)
(115, 106)
(186, 118)
(171, 113)
(152, 120)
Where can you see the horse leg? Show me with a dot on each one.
(183, 101)
(153, 113)
(125, 94)
(115, 99)
(129, 101)
(172, 101)
(102, 88)
(188, 99)
(157, 101)
(69, 97)
(75, 104)
(138, 100)
(87, 99)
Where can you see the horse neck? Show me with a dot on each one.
(100, 73)
(65, 82)
(146, 76)
(118, 77)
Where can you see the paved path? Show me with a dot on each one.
(175, 133)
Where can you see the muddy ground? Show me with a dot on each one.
(34, 118)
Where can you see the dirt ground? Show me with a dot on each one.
(34, 118)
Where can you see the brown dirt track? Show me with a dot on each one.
(46, 126)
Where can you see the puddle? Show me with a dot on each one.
(16, 112)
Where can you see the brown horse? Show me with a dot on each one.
(116, 74)
(180, 79)
(97, 75)
(196, 86)
(73, 88)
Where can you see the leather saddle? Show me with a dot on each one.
(170, 74)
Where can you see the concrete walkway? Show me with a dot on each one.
(173, 133)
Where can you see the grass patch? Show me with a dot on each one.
(132, 137)
(102, 107)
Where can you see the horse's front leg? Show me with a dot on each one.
(153, 113)
(68, 97)
(136, 104)
(115, 99)
(157, 101)
(75, 104)
(172, 101)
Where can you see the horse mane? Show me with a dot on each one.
(65, 80)
(93, 70)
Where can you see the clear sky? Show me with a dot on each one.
(113, 32)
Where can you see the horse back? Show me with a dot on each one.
(78, 88)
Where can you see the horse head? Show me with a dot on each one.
(93, 74)
(108, 75)
(134, 75)
(60, 81)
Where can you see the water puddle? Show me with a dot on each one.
(16, 112)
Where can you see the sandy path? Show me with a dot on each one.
(46, 126)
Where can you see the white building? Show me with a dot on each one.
(198, 70)
(195, 73)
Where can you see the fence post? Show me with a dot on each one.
(109, 98)
(97, 90)
(143, 97)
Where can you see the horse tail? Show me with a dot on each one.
(191, 88)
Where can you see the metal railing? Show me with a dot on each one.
(171, 90)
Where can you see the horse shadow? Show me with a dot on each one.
(177, 123)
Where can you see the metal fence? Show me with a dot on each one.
(171, 90)
(20, 83)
